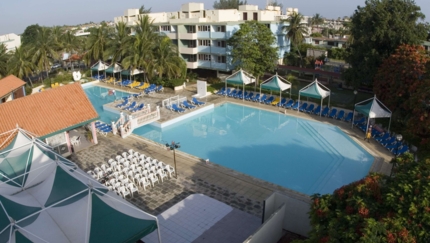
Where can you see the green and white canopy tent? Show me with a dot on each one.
(372, 108)
(99, 66)
(113, 69)
(276, 83)
(241, 78)
(46, 198)
(131, 72)
(315, 90)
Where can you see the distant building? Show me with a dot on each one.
(335, 42)
(201, 35)
(11, 88)
(11, 41)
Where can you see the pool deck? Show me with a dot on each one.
(195, 176)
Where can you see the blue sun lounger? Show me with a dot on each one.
(348, 117)
(325, 111)
(122, 104)
(385, 136)
(310, 108)
(269, 100)
(401, 150)
(256, 98)
(238, 94)
(340, 115)
(360, 121)
(262, 98)
(188, 105)
(317, 110)
(295, 106)
(138, 108)
(130, 107)
(177, 109)
(197, 102)
(282, 102)
(333, 113)
(221, 91)
(289, 104)
(303, 107)
(249, 96)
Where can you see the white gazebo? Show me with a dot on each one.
(240, 77)
(372, 108)
(276, 83)
(315, 90)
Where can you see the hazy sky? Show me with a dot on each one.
(16, 15)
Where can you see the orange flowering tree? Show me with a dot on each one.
(377, 208)
(401, 83)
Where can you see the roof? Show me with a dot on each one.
(240, 77)
(49, 112)
(315, 90)
(9, 84)
(374, 108)
(276, 83)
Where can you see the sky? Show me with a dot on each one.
(16, 15)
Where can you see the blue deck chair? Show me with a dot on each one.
(177, 109)
(262, 98)
(228, 92)
(317, 110)
(282, 102)
(348, 117)
(188, 105)
(303, 107)
(333, 113)
(289, 104)
(122, 104)
(295, 106)
(138, 108)
(269, 100)
(389, 141)
(233, 93)
(238, 94)
(401, 150)
(384, 137)
(362, 127)
(325, 111)
(249, 96)
(394, 145)
(360, 121)
(340, 115)
(256, 98)
(242, 95)
(197, 102)
(310, 108)
(221, 91)
(131, 106)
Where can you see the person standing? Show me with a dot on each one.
(368, 134)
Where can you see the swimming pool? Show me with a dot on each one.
(99, 96)
(303, 155)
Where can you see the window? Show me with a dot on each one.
(165, 28)
(204, 57)
(268, 26)
(220, 29)
(204, 28)
(221, 59)
(317, 42)
(191, 58)
(204, 42)
(330, 43)
(255, 16)
(191, 29)
(191, 44)
(220, 43)
(245, 16)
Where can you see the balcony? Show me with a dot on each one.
(188, 50)
(188, 36)
(218, 50)
(213, 65)
(192, 65)
(218, 35)
(203, 35)
(171, 35)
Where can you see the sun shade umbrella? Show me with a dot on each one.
(276, 83)
(315, 90)
(372, 108)
(240, 77)
(99, 66)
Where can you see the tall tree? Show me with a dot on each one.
(57, 37)
(143, 10)
(275, 3)
(118, 42)
(296, 31)
(29, 34)
(317, 20)
(4, 58)
(44, 50)
(70, 44)
(20, 63)
(228, 4)
(252, 48)
(378, 29)
(166, 61)
(97, 43)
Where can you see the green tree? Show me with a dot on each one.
(44, 49)
(377, 208)
(29, 34)
(317, 20)
(70, 44)
(296, 30)
(118, 43)
(253, 48)
(228, 4)
(275, 3)
(377, 30)
(20, 63)
(4, 59)
(166, 59)
(142, 10)
(57, 37)
(97, 43)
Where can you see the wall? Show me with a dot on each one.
(11, 41)
(296, 218)
(271, 230)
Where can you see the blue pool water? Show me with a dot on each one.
(306, 156)
(99, 96)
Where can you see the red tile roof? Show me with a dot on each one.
(9, 84)
(49, 111)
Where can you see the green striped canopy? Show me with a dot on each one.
(114, 68)
(99, 66)
(276, 83)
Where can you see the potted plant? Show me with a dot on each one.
(89, 135)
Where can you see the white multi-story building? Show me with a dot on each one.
(11, 41)
(201, 35)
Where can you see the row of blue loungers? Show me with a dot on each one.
(184, 105)
(386, 139)
(128, 105)
(103, 128)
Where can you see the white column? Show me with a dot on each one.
(93, 128)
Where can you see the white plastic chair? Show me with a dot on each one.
(161, 164)
(131, 151)
(92, 174)
(118, 158)
(106, 168)
(152, 178)
(161, 173)
(121, 177)
(137, 178)
(124, 191)
(97, 170)
(130, 157)
(153, 169)
(100, 175)
(143, 182)
(112, 182)
(110, 161)
(130, 174)
(145, 173)
(124, 155)
(142, 157)
(126, 164)
(118, 168)
(136, 154)
(169, 169)
(132, 189)
(115, 174)
(113, 165)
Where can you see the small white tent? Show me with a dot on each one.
(276, 83)
(372, 108)
(315, 90)
(240, 77)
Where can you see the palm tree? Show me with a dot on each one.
(167, 60)
(4, 58)
(71, 44)
(20, 63)
(44, 49)
(296, 30)
(57, 35)
(317, 20)
(97, 43)
(118, 43)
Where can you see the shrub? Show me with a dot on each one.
(28, 89)
(213, 80)
(211, 89)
